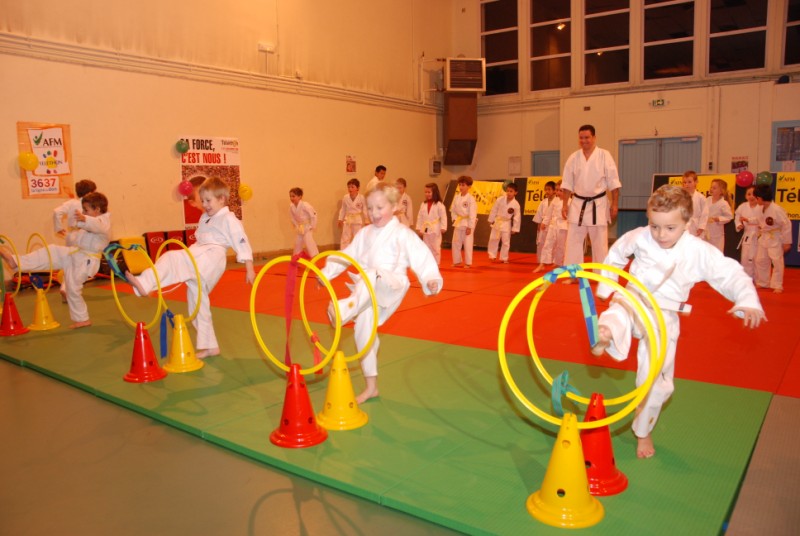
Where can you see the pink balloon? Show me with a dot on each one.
(185, 188)
(744, 179)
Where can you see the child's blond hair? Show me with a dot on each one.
(216, 187)
(389, 190)
(671, 197)
(724, 187)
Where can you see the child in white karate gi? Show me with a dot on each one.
(668, 261)
(304, 221)
(544, 217)
(464, 212)
(65, 217)
(719, 209)
(353, 214)
(385, 250)
(432, 220)
(697, 225)
(505, 221)
(219, 230)
(79, 258)
(405, 209)
(746, 219)
(774, 240)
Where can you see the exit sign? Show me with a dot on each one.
(658, 103)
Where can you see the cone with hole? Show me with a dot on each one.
(11, 323)
(182, 357)
(601, 467)
(144, 363)
(341, 411)
(298, 428)
(42, 316)
(564, 499)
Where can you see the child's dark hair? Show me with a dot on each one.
(551, 184)
(96, 200)
(296, 191)
(512, 186)
(436, 196)
(401, 180)
(84, 187)
(378, 169)
(763, 192)
(353, 182)
(465, 179)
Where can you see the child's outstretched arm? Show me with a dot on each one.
(752, 318)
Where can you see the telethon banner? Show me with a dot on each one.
(52, 145)
(209, 157)
(534, 193)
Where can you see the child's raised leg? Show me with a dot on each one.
(9, 258)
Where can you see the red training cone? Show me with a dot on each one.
(298, 428)
(144, 363)
(11, 324)
(601, 468)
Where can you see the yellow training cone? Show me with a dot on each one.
(181, 352)
(341, 410)
(564, 500)
(42, 316)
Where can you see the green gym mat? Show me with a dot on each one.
(446, 441)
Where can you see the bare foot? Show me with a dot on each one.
(370, 390)
(603, 342)
(539, 268)
(778, 291)
(9, 258)
(82, 324)
(207, 352)
(567, 281)
(645, 447)
(135, 283)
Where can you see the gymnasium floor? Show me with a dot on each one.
(446, 442)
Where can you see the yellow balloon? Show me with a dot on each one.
(28, 161)
(245, 192)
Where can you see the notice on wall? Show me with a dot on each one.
(51, 145)
(206, 158)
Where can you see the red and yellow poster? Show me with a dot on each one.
(205, 158)
(51, 144)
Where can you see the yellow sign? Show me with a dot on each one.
(704, 182)
(534, 193)
(486, 193)
(787, 193)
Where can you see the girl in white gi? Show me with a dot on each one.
(404, 210)
(774, 240)
(505, 221)
(543, 217)
(79, 258)
(556, 237)
(720, 212)
(304, 221)
(353, 214)
(746, 219)
(464, 213)
(219, 229)
(697, 225)
(432, 220)
(668, 261)
(385, 250)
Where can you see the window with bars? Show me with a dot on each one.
(499, 43)
(550, 40)
(668, 39)
(791, 43)
(607, 42)
(737, 35)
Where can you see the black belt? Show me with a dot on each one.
(586, 201)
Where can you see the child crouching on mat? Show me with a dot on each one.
(385, 250)
(80, 258)
(219, 230)
(668, 261)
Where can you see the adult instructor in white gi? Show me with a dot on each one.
(590, 174)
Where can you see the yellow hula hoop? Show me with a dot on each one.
(49, 257)
(662, 347)
(196, 271)
(4, 238)
(158, 285)
(371, 290)
(337, 335)
(637, 395)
